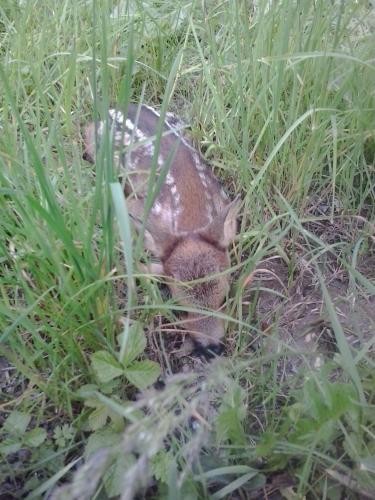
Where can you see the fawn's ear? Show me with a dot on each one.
(222, 230)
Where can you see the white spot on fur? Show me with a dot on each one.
(139, 134)
(157, 208)
(199, 165)
(116, 115)
(133, 161)
(148, 149)
(176, 213)
(174, 190)
(203, 179)
(169, 179)
(167, 216)
(129, 124)
(119, 136)
(209, 212)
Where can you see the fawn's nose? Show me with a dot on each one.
(207, 332)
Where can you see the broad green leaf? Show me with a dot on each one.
(142, 373)
(110, 387)
(86, 391)
(105, 366)
(91, 402)
(98, 418)
(104, 438)
(10, 445)
(17, 423)
(117, 421)
(35, 437)
(135, 345)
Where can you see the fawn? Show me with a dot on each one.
(191, 222)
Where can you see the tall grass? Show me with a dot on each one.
(280, 101)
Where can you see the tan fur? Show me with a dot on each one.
(191, 223)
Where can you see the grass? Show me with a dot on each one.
(281, 104)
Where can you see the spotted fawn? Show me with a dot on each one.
(191, 222)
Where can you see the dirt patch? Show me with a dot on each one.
(290, 306)
(11, 386)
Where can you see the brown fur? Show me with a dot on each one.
(191, 223)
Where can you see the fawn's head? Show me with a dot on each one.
(195, 265)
